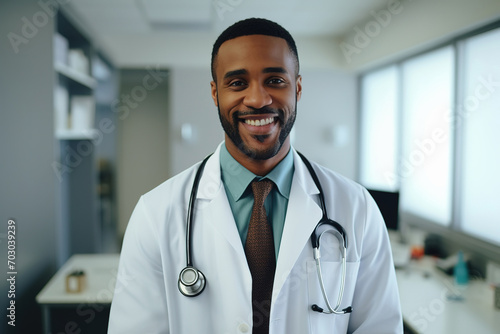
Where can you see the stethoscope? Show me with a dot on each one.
(192, 282)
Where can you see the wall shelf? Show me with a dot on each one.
(74, 75)
(87, 134)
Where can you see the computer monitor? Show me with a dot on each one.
(388, 203)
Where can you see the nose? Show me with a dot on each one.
(257, 96)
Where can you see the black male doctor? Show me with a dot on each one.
(256, 86)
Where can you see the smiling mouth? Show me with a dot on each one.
(259, 122)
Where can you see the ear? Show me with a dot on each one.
(213, 87)
(298, 84)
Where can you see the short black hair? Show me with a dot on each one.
(254, 26)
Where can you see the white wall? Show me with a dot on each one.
(411, 26)
(143, 139)
(326, 126)
(192, 105)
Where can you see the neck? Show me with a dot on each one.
(258, 167)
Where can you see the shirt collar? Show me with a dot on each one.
(236, 178)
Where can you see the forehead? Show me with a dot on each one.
(254, 52)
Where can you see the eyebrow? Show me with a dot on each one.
(235, 73)
(266, 70)
(274, 70)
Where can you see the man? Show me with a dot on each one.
(256, 255)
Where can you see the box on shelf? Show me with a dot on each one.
(61, 47)
(82, 112)
(61, 108)
(78, 61)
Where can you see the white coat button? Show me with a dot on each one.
(244, 328)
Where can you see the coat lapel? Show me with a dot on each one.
(214, 207)
(303, 214)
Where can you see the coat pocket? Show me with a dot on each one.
(332, 278)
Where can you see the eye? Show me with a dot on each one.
(237, 83)
(276, 81)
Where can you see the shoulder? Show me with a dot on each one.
(336, 178)
(333, 183)
(174, 193)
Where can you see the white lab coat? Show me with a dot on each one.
(147, 299)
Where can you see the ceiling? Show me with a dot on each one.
(123, 27)
(323, 17)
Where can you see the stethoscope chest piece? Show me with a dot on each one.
(191, 282)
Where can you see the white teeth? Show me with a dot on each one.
(259, 122)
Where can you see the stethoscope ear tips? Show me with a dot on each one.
(317, 308)
(320, 310)
(191, 282)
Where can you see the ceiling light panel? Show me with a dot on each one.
(175, 12)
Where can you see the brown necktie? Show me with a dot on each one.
(259, 250)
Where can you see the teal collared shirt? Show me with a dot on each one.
(236, 180)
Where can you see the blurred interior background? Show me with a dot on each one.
(102, 100)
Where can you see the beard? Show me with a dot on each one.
(232, 131)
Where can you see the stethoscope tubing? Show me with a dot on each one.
(317, 256)
(191, 281)
(189, 220)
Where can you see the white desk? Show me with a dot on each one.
(101, 272)
(427, 309)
